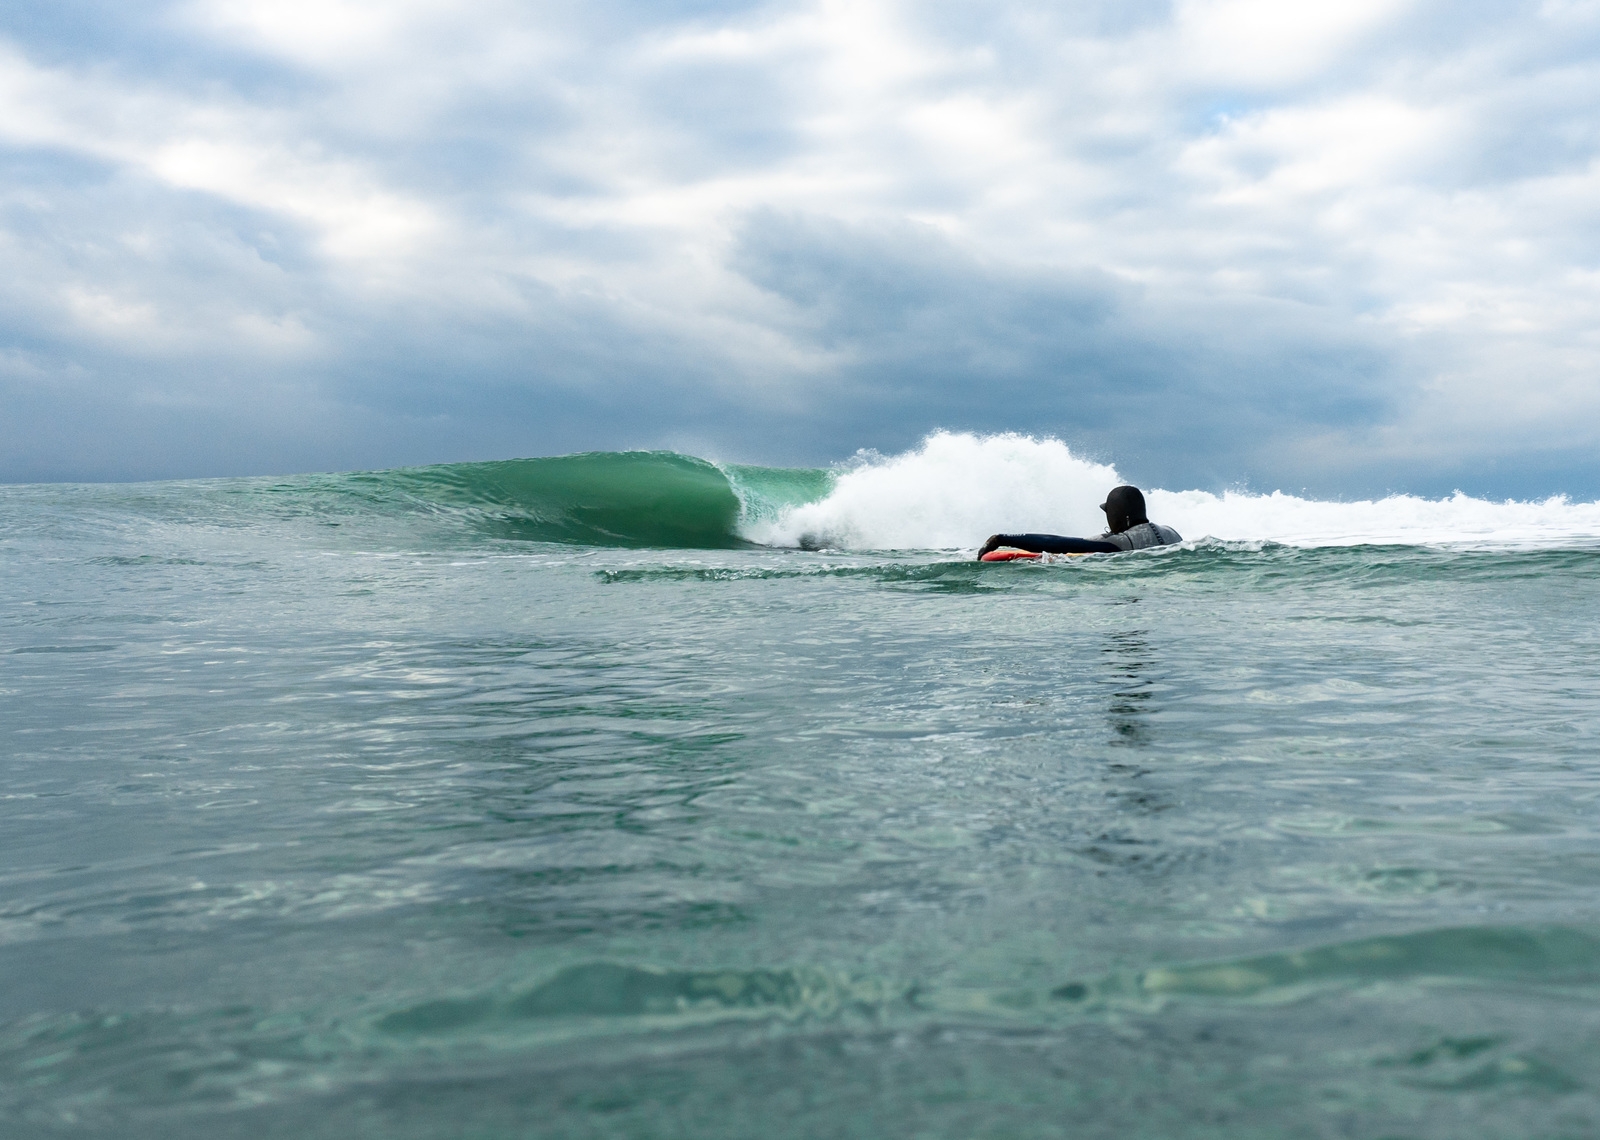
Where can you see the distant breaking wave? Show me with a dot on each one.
(946, 494)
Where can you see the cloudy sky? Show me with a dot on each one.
(1345, 246)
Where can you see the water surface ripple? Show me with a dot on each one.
(382, 829)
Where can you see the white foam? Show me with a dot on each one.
(956, 488)
(951, 492)
(1406, 519)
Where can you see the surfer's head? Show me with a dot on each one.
(1124, 507)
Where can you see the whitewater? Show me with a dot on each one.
(644, 794)
(956, 488)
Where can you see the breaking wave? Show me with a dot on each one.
(956, 488)
(946, 494)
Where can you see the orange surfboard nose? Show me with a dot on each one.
(1008, 555)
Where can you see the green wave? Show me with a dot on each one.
(600, 498)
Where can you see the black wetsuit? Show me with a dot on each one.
(1056, 544)
(1140, 536)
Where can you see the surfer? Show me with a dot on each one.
(1127, 528)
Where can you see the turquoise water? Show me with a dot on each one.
(508, 800)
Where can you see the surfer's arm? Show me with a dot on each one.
(1049, 544)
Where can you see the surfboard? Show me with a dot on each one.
(1008, 555)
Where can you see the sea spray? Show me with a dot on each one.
(956, 488)
(949, 493)
(1397, 519)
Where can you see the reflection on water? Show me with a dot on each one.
(1128, 660)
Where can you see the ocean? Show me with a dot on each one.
(634, 795)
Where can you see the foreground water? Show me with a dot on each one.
(328, 814)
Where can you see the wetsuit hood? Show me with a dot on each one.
(1124, 507)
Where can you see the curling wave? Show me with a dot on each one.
(603, 498)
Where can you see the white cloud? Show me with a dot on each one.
(324, 33)
(1266, 43)
(106, 313)
(358, 218)
(258, 157)
(1284, 156)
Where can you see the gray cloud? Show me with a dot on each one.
(931, 337)
(1217, 242)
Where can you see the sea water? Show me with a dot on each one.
(634, 796)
